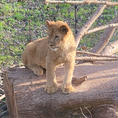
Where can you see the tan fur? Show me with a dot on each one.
(59, 47)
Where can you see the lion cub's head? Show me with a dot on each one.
(58, 33)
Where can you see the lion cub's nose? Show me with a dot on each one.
(51, 45)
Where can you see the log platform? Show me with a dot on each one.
(26, 97)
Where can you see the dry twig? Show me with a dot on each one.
(82, 112)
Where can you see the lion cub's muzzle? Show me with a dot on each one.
(53, 47)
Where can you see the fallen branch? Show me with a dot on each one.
(94, 54)
(89, 23)
(105, 38)
(108, 3)
(95, 59)
(102, 28)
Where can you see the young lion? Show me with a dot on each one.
(59, 47)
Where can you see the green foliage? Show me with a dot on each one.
(21, 22)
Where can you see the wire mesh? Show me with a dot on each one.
(22, 21)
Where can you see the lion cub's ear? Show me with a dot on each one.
(64, 29)
(49, 23)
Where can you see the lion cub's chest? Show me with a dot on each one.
(59, 56)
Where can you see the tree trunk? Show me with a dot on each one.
(26, 97)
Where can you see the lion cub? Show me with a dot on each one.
(59, 47)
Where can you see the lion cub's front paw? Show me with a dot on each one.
(38, 72)
(51, 88)
(67, 89)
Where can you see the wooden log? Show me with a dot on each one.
(82, 2)
(26, 97)
(94, 54)
(101, 28)
(86, 58)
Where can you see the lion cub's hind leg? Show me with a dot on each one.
(38, 70)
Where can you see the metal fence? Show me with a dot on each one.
(22, 22)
